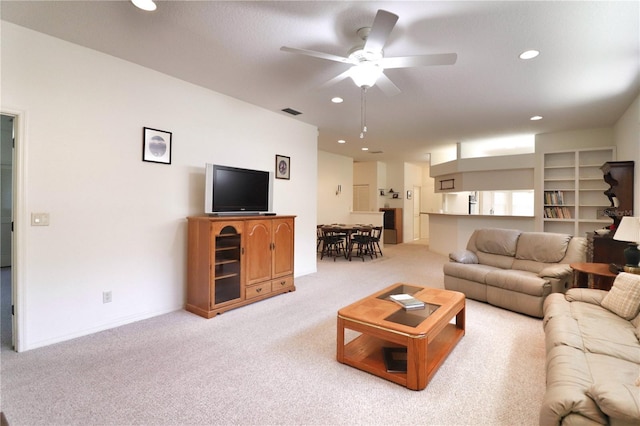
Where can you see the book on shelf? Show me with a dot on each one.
(407, 301)
(554, 197)
(557, 212)
(395, 359)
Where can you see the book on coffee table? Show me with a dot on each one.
(407, 301)
(395, 359)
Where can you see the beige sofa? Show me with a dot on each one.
(593, 355)
(512, 269)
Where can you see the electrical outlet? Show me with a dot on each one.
(106, 297)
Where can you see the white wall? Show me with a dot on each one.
(117, 223)
(627, 137)
(334, 170)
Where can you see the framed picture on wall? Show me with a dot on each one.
(283, 167)
(156, 146)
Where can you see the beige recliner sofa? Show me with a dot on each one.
(512, 269)
(592, 340)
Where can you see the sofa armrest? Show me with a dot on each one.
(586, 295)
(617, 400)
(561, 401)
(463, 256)
(560, 270)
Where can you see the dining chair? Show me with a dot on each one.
(333, 244)
(360, 243)
(376, 235)
(319, 238)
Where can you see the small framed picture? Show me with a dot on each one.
(156, 146)
(283, 167)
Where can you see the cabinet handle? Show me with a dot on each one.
(258, 290)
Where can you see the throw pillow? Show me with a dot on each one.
(463, 256)
(624, 297)
(617, 400)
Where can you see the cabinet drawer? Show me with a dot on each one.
(258, 290)
(282, 282)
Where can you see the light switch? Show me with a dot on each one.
(39, 219)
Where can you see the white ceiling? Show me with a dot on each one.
(586, 75)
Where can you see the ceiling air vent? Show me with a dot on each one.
(375, 152)
(291, 111)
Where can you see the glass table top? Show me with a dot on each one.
(411, 318)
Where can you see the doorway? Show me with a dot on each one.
(7, 144)
(416, 212)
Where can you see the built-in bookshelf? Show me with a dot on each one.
(573, 191)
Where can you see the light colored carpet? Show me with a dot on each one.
(273, 362)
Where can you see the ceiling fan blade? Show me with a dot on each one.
(380, 30)
(335, 79)
(315, 54)
(419, 61)
(387, 86)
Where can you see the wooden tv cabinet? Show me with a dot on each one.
(237, 260)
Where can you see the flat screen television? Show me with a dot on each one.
(232, 190)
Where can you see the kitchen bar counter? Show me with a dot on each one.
(449, 232)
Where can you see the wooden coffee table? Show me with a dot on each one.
(427, 334)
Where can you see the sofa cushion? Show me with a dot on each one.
(465, 271)
(519, 281)
(497, 241)
(605, 333)
(624, 297)
(495, 260)
(617, 400)
(542, 246)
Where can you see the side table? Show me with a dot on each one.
(592, 275)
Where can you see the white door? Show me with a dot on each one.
(416, 212)
(361, 198)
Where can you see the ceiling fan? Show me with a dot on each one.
(368, 62)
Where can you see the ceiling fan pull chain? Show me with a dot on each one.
(363, 111)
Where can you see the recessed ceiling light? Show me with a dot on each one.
(536, 118)
(529, 54)
(337, 100)
(342, 141)
(147, 5)
(365, 149)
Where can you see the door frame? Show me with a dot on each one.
(18, 246)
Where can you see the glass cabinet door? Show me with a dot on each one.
(227, 264)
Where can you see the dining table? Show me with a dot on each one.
(348, 230)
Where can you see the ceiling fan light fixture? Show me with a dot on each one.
(147, 5)
(365, 74)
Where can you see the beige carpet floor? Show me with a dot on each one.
(273, 362)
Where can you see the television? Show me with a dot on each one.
(232, 190)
